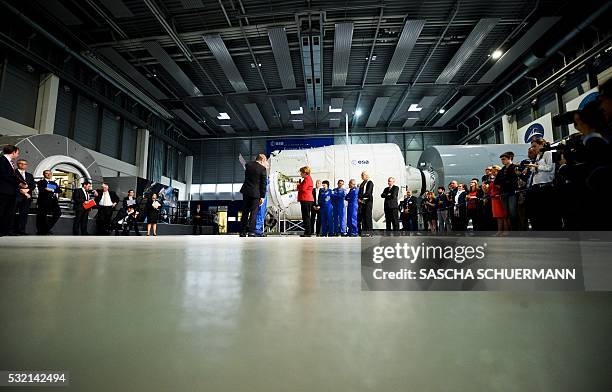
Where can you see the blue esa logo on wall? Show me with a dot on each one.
(360, 162)
(588, 99)
(534, 131)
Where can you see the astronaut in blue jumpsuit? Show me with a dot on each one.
(338, 196)
(325, 197)
(351, 209)
(261, 213)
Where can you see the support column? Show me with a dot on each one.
(509, 130)
(188, 175)
(46, 104)
(142, 151)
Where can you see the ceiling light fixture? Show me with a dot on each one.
(414, 108)
(334, 110)
(441, 111)
(298, 111)
(358, 113)
(496, 54)
(223, 116)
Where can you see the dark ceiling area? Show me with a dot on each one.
(251, 67)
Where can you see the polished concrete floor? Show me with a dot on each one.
(183, 313)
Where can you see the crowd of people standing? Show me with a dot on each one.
(17, 186)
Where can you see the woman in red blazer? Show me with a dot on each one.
(306, 199)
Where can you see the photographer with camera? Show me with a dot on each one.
(541, 196)
(605, 103)
(585, 164)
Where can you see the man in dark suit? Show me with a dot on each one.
(130, 200)
(47, 204)
(197, 218)
(390, 194)
(451, 222)
(315, 215)
(23, 200)
(409, 212)
(253, 193)
(81, 215)
(507, 180)
(364, 215)
(10, 187)
(106, 200)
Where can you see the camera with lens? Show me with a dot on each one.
(523, 165)
(564, 118)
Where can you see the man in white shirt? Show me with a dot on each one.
(106, 201)
(460, 209)
(541, 199)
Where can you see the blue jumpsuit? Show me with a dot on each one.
(351, 211)
(338, 196)
(261, 212)
(326, 212)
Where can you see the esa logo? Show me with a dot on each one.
(360, 162)
(588, 99)
(534, 131)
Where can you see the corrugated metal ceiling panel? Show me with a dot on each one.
(342, 49)
(219, 50)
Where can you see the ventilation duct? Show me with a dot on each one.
(257, 117)
(454, 110)
(117, 8)
(405, 44)
(410, 122)
(342, 51)
(219, 50)
(520, 47)
(190, 121)
(311, 45)
(172, 68)
(471, 43)
(282, 56)
(118, 61)
(377, 110)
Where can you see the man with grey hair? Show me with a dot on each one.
(365, 205)
(390, 194)
(106, 200)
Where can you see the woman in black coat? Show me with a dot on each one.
(153, 208)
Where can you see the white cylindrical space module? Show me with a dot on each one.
(333, 163)
(438, 165)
